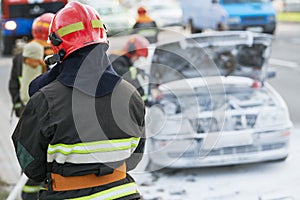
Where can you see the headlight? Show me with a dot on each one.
(272, 117)
(271, 18)
(234, 20)
(10, 25)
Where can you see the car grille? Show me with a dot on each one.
(236, 122)
(231, 150)
(253, 19)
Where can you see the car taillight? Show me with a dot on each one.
(256, 85)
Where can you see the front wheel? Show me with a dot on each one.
(272, 32)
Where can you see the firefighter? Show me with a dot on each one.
(82, 132)
(40, 29)
(123, 61)
(26, 66)
(146, 26)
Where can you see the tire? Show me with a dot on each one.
(272, 32)
(8, 45)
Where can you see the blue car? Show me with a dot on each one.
(254, 15)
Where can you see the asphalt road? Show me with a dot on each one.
(218, 183)
(286, 61)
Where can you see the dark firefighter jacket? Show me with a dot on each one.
(147, 29)
(75, 126)
(14, 84)
(122, 64)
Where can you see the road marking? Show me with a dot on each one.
(283, 63)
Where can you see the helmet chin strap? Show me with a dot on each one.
(55, 58)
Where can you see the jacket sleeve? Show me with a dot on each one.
(119, 64)
(14, 84)
(137, 110)
(31, 138)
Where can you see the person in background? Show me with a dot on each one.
(146, 26)
(33, 54)
(87, 123)
(123, 61)
(27, 65)
(40, 29)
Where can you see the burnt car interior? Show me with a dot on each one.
(240, 60)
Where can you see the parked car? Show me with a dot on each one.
(254, 15)
(114, 16)
(211, 104)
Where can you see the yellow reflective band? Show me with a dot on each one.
(92, 147)
(71, 28)
(145, 97)
(133, 72)
(91, 152)
(114, 143)
(113, 193)
(147, 32)
(20, 79)
(44, 24)
(17, 105)
(97, 24)
(31, 189)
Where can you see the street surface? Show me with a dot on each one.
(264, 181)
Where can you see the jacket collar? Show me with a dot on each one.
(89, 70)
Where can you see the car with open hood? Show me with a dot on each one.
(211, 103)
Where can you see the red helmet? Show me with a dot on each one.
(76, 26)
(137, 45)
(40, 26)
(141, 10)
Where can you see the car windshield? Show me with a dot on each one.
(210, 56)
(244, 1)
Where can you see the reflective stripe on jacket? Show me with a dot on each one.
(92, 152)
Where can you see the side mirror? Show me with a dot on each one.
(271, 74)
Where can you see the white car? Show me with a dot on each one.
(116, 19)
(164, 13)
(211, 104)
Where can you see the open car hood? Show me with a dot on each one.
(239, 53)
